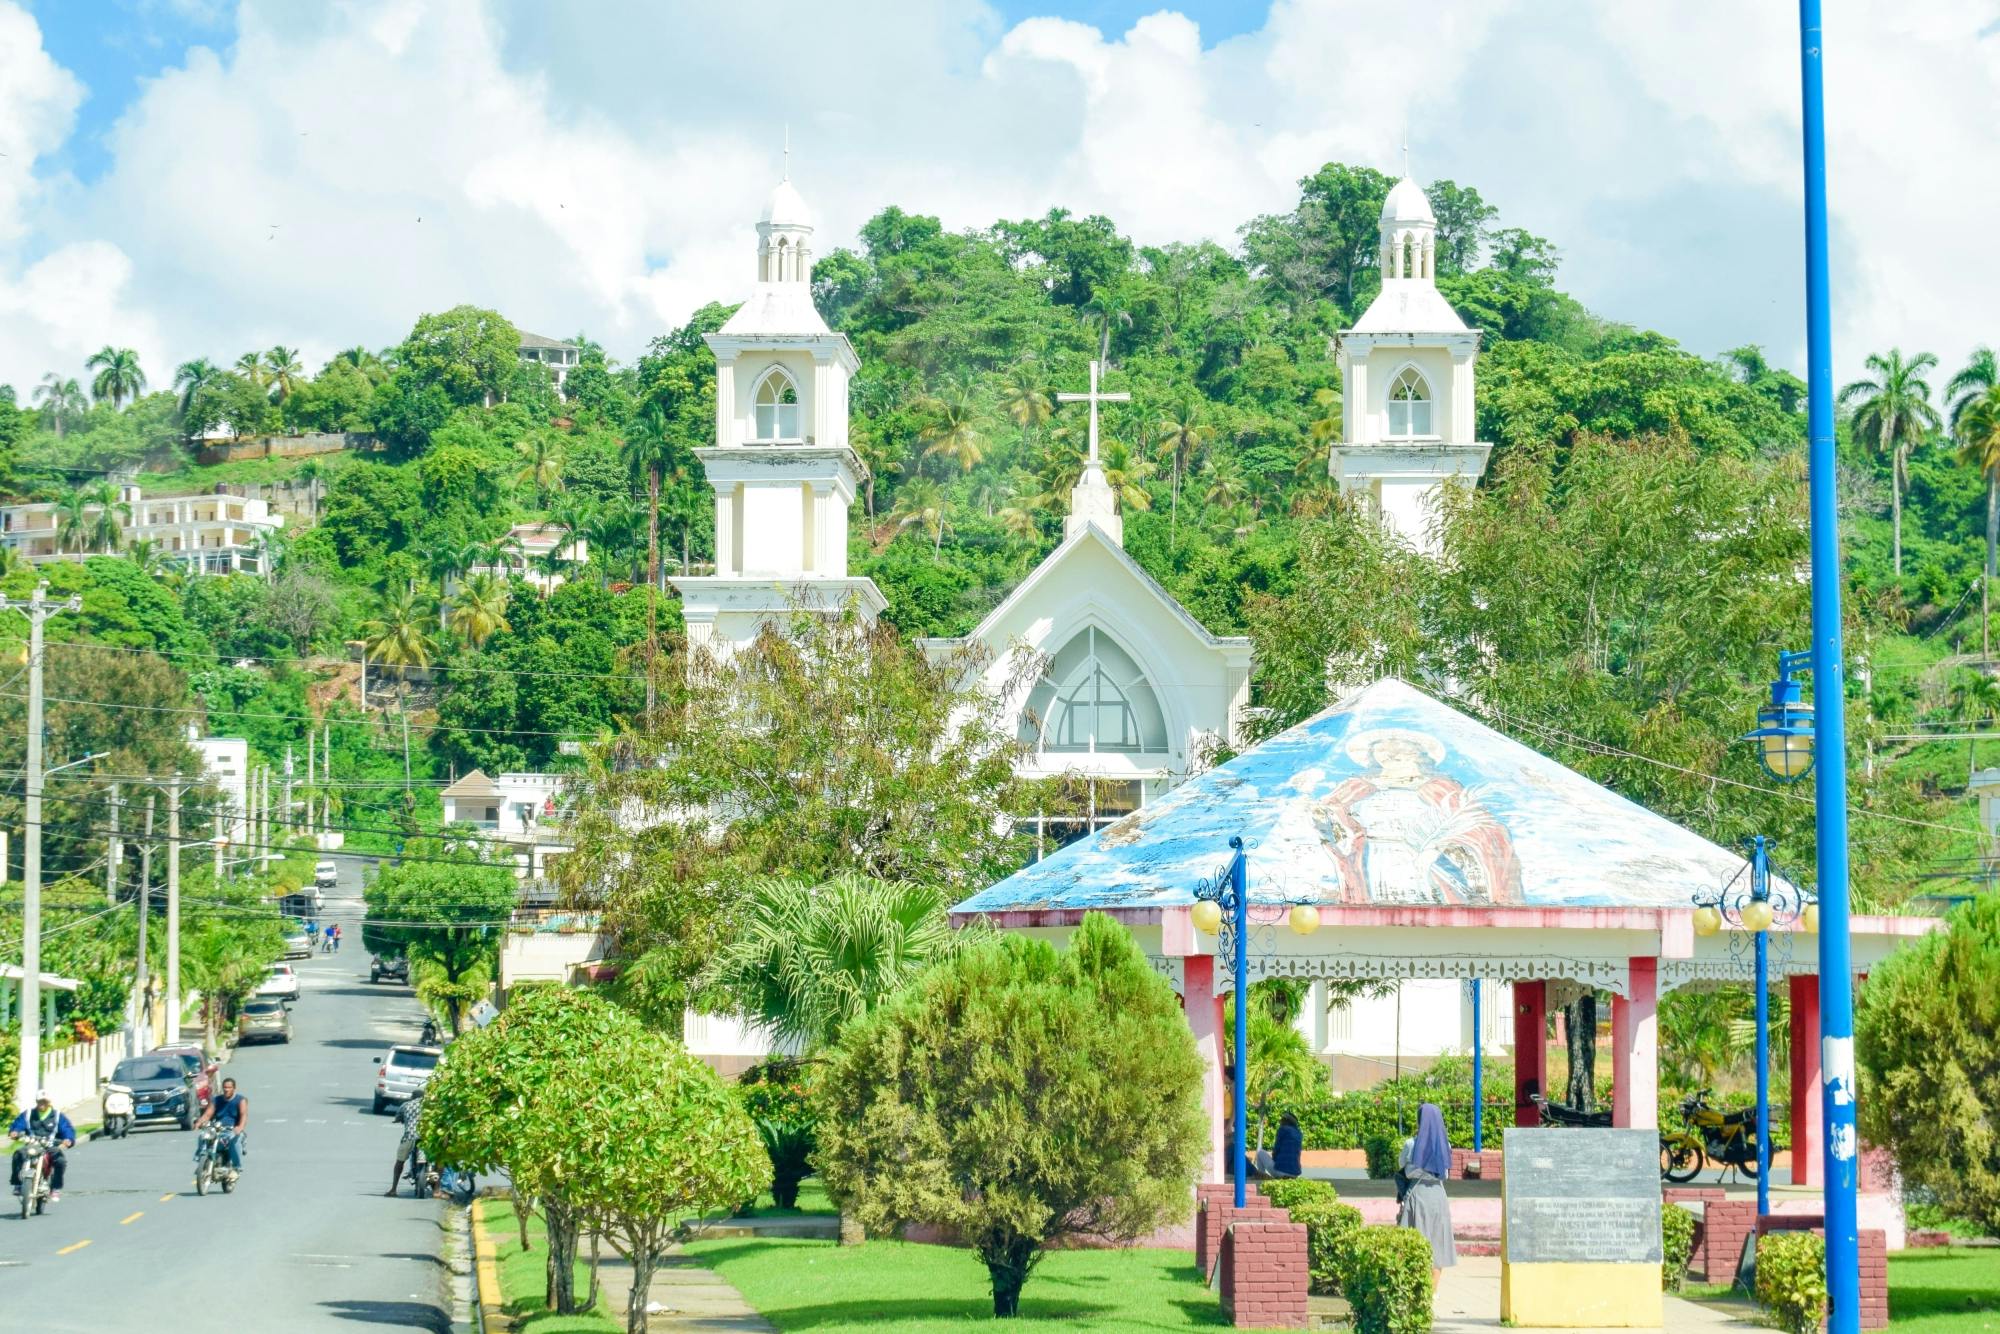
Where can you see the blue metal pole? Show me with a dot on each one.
(1836, 977)
(1760, 888)
(1239, 889)
(1478, 1070)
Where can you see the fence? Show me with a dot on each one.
(70, 1074)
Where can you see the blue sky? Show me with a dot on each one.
(602, 174)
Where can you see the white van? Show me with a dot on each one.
(325, 874)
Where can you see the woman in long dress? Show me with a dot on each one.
(1426, 1163)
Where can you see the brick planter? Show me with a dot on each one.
(1873, 1245)
(1489, 1164)
(1264, 1272)
(1214, 1204)
(1725, 1223)
(1702, 1196)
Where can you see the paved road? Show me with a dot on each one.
(307, 1241)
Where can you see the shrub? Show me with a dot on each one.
(1329, 1227)
(10, 1059)
(1382, 1155)
(777, 1094)
(1676, 1245)
(1348, 1120)
(1791, 1280)
(1296, 1191)
(1386, 1275)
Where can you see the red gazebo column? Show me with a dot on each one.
(1808, 1130)
(1204, 1016)
(1531, 1050)
(1635, 1050)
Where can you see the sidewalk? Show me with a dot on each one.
(1468, 1299)
(685, 1296)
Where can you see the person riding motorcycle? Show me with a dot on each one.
(407, 1115)
(231, 1110)
(41, 1121)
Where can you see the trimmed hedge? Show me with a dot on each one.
(1386, 1276)
(1383, 1154)
(1676, 1245)
(1791, 1280)
(1295, 1192)
(1348, 1120)
(1329, 1227)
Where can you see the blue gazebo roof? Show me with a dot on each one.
(1388, 799)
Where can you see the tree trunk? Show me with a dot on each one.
(652, 582)
(851, 1231)
(645, 1259)
(1992, 541)
(1896, 505)
(1580, 1030)
(522, 1213)
(1008, 1262)
(561, 1222)
(596, 1236)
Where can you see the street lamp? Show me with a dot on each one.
(1222, 909)
(1784, 734)
(1757, 909)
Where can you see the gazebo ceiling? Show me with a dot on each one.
(1388, 799)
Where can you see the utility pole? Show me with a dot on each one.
(285, 817)
(174, 909)
(312, 782)
(221, 837)
(326, 787)
(38, 609)
(113, 852)
(142, 1012)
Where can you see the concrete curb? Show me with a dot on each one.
(486, 1272)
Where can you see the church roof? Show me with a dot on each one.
(777, 308)
(1388, 799)
(1407, 202)
(1409, 305)
(786, 207)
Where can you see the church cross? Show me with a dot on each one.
(1094, 397)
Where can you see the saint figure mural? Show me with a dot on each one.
(1404, 833)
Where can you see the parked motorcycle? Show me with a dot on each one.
(36, 1173)
(1680, 1152)
(117, 1107)
(1729, 1138)
(424, 1175)
(211, 1164)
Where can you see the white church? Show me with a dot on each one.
(1133, 694)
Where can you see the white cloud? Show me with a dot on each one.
(601, 172)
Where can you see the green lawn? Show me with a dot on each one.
(812, 1200)
(893, 1285)
(1947, 1290)
(523, 1277)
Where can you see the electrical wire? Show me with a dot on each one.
(323, 664)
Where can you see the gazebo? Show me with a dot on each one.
(1434, 847)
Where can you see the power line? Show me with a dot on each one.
(204, 712)
(227, 659)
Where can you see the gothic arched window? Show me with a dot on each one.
(1409, 405)
(1094, 697)
(778, 408)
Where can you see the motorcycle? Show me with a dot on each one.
(211, 1164)
(1729, 1138)
(36, 1173)
(1680, 1152)
(117, 1111)
(424, 1175)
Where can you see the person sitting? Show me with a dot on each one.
(42, 1120)
(1290, 1144)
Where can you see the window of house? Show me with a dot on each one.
(778, 408)
(1409, 405)
(1102, 802)
(1093, 697)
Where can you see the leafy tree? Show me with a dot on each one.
(466, 352)
(1894, 417)
(446, 915)
(1927, 1040)
(1018, 1096)
(1979, 377)
(118, 375)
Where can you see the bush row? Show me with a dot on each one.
(1349, 1120)
(1791, 1280)
(1384, 1272)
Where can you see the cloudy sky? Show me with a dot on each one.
(198, 177)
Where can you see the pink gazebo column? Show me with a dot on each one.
(1635, 1050)
(1808, 1132)
(1204, 1016)
(1531, 1050)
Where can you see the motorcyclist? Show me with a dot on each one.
(407, 1115)
(42, 1120)
(230, 1110)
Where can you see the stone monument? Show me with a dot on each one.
(1580, 1229)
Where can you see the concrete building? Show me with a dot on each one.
(536, 542)
(225, 762)
(206, 533)
(558, 356)
(518, 810)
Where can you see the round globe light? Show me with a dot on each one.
(1707, 921)
(1788, 757)
(1305, 918)
(1207, 916)
(1809, 917)
(1757, 915)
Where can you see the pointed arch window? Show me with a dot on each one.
(1409, 405)
(777, 409)
(1094, 698)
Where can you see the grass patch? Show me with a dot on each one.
(1947, 1290)
(913, 1289)
(812, 1200)
(524, 1276)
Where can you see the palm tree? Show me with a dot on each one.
(1227, 487)
(921, 504)
(1975, 419)
(1182, 439)
(1127, 472)
(107, 525)
(191, 377)
(72, 515)
(150, 557)
(366, 362)
(480, 609)
(541, 465)
(399, 636)
(1024, 398)
(251, 367)
(1894, 417)
(951, 431)
(283, 373)
(118, 375)
(1326, 427)
(62, 401)
(1110, 303)
(1980, 375)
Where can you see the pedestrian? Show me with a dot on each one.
(335, 928)
(1425, 1164)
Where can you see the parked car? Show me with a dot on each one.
(282, 984)
(161, 1089)
(298, 945)
(392, 968)
(200, 1069)
(402, 1074)
(263, 1017)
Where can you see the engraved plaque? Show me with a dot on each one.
(1582, 1195)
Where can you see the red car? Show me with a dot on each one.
(197, 1064)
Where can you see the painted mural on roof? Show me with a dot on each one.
(1388, 799)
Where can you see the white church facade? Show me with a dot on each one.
(1103, 675)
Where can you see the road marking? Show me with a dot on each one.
(131, 1218)
(165, 1198)
(274, 1120)
(315, 1120)
(79, 1246)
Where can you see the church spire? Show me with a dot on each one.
(1092, 501)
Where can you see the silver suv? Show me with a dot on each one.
(403, 1074)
